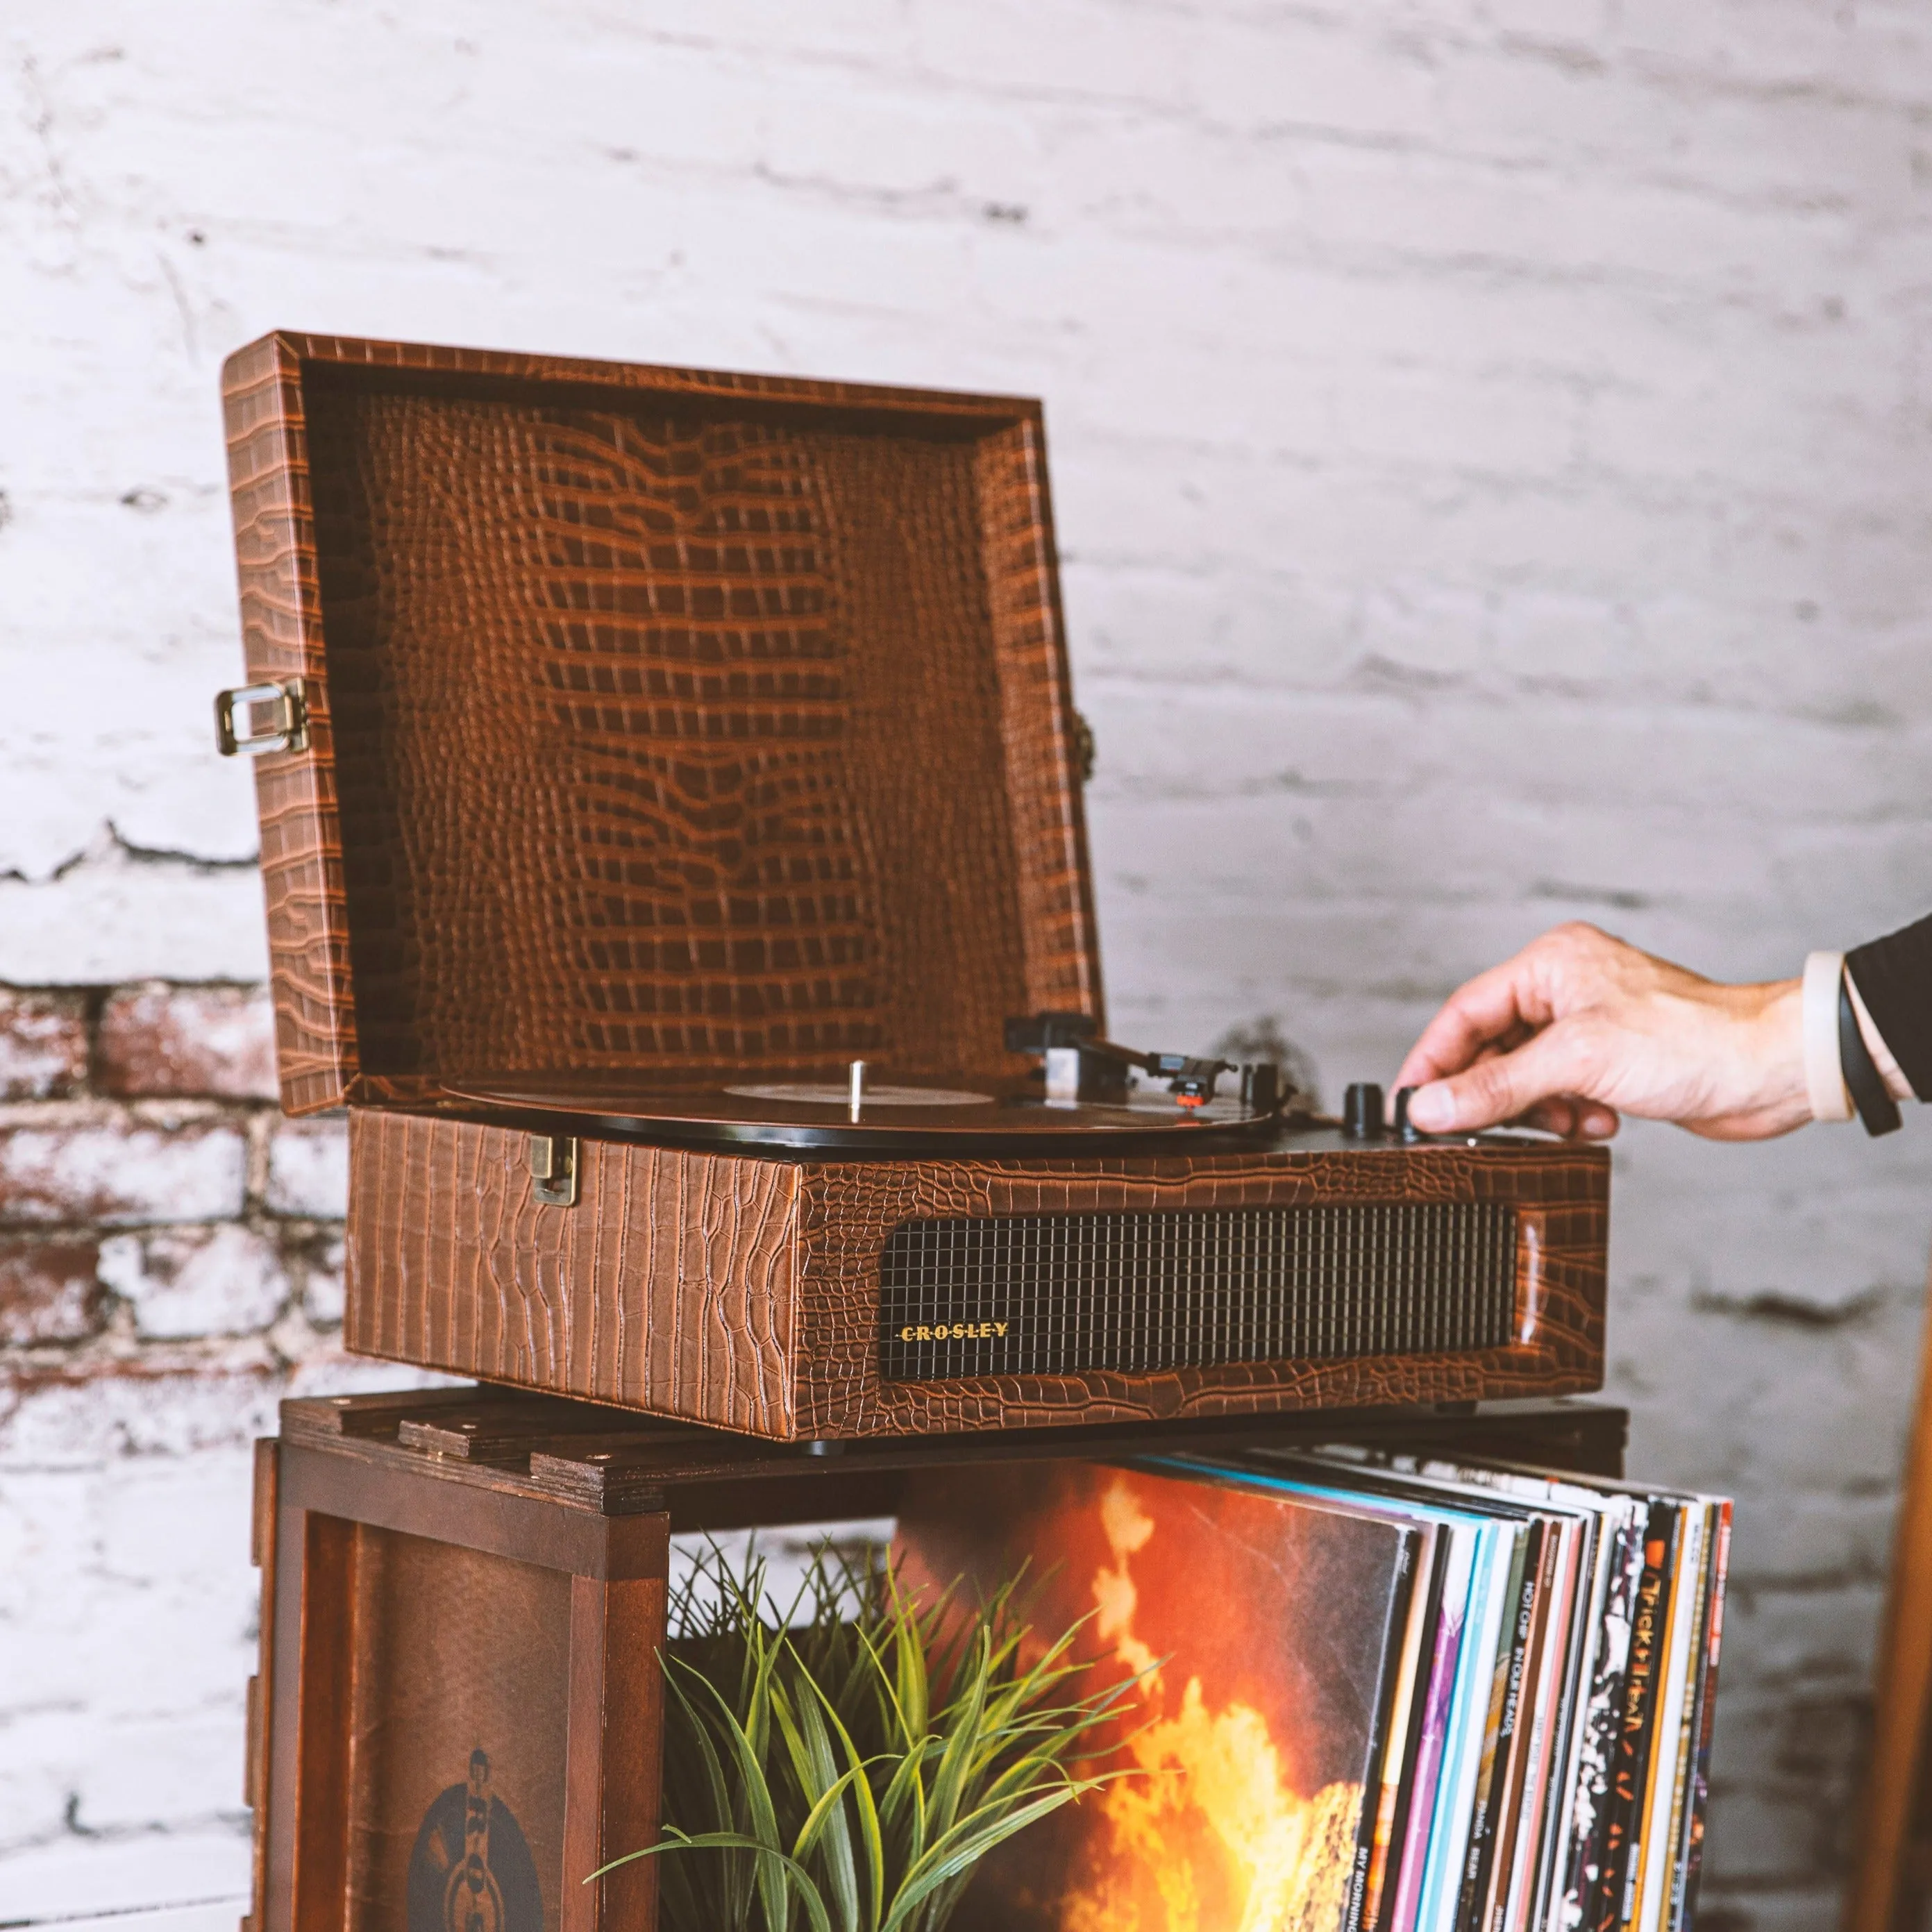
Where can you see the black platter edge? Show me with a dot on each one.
(846, 1140)
(1306, 1132)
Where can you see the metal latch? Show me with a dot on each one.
(288, 724)
(553, 1169)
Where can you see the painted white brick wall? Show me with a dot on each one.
(1492, 448)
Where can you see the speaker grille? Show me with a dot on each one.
(1063, 1293)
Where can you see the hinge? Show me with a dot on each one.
(553, 1169)
(1083, 747)
(288, 721)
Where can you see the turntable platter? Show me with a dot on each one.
(829, 1093)
(898, 1114)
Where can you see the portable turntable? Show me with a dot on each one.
(669, 791)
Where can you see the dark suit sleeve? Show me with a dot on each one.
(1894, 977)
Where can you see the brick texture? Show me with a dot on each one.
(170, 1265)
(49, 1291)
(188, 1041)
(87, 1163)
(225, 1280)
(1491, 460)
(43, 1044)
(308, 1169)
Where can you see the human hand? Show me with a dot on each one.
(1578, 1029)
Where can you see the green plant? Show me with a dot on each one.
(843, 1766)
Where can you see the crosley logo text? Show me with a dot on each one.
(957, 1331)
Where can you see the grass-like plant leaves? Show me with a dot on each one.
(843, 1764)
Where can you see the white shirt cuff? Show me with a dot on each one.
(1824, 1074)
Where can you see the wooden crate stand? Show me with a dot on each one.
(459, 1706)
(409, 1626)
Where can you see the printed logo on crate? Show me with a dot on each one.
(472, 1871)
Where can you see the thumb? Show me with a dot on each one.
(1492, 1091)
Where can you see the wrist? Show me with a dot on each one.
(1779, 1047)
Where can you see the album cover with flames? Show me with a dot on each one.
(1268, 1629)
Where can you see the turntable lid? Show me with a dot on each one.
(655, 719)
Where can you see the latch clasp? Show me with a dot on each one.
(288, 727)
(553, 1169)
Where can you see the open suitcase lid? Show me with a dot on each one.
(623, 718)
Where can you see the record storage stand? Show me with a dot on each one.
(471, 1583)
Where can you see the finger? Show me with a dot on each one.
(1491, 1007)
(1493, 1091)
(1557, 1117)
(1571, 1118)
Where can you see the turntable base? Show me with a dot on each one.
(860, 1292)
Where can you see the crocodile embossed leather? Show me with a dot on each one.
(662, 730)
(656, 719)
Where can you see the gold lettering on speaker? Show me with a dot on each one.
(955, 1331)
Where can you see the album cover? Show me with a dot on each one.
(1404, 1900)
(1434, 1761)
(1545, 1759)
(1437, 1891)
(1653, 1854)
(1267, 1631)
(1690, 1859)
(1581, 1707)
(1610, 1905)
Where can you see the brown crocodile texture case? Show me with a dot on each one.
(656, 719)
(743, 1292)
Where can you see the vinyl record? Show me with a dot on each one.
(812, 1109)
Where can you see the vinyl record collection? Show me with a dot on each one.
(1477, 1698)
